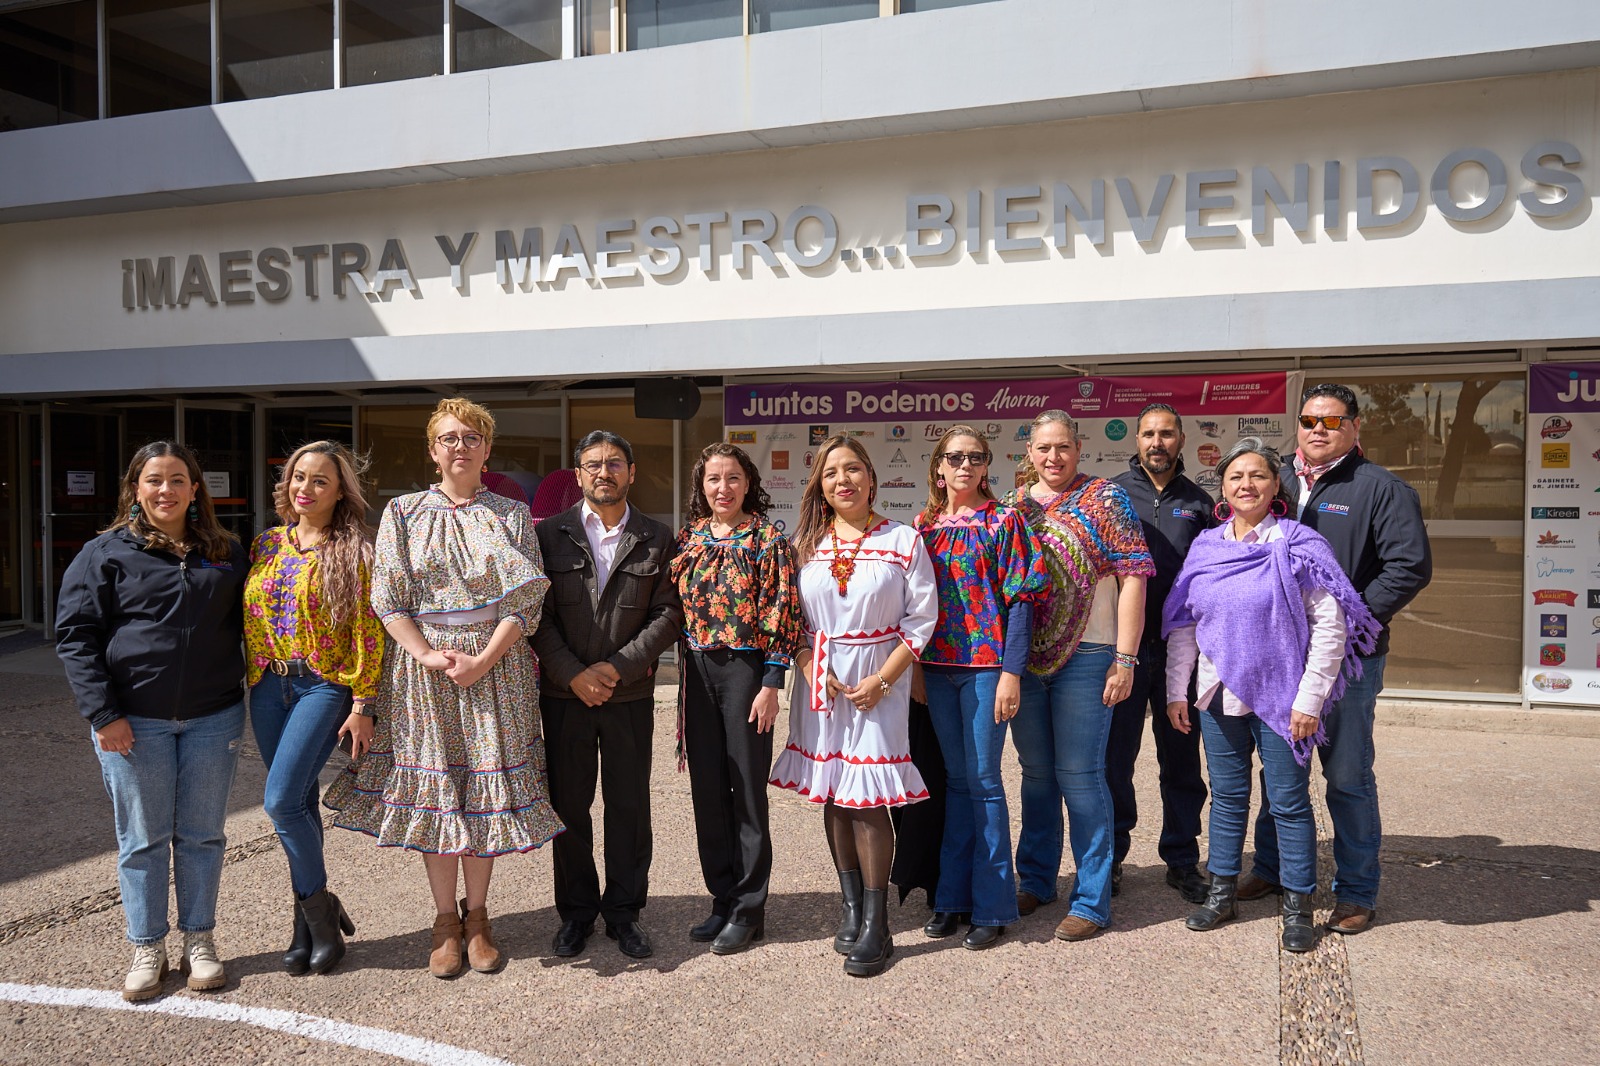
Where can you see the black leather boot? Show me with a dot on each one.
(1219, 905)
(325, 917)
(850, 918)
(1299, 933)
(297, 960)
(874, 946)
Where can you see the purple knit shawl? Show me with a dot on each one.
(1247, 604)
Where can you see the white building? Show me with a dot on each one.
(253, 222)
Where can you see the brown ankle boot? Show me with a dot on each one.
(482, 953)
(446, 958)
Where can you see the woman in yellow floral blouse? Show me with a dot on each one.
(315, 652)
(741, 627)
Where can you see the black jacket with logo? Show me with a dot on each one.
(629, 623)
(1374, 522)
(1172, 518)
(147, 634)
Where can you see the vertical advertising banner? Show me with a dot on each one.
(1561, 556)
(899, 423)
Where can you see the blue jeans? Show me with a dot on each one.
(1352, 795)
(1060, 735)
(975, 875)
(170, 798)
(1230, 743)
(296, 722)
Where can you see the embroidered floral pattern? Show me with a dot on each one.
(739, 591)
(986, 561)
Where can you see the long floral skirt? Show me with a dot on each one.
(452, 771)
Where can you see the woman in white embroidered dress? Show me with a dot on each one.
(869, 603)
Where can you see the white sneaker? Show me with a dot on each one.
(200, 962)
(149, 969)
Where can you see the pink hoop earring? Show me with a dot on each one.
(1280, 509)
(1222, 512)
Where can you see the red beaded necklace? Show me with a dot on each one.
(843, 564)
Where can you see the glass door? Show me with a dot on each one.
(223, 437)
(82, 473)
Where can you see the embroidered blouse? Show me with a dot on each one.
(1089, 531)
(434, 555)
(739, 592)
(986, 562)
(284, 618)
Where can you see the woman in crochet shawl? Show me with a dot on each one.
(1274, 626)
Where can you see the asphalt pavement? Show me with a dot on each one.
(1484, 951)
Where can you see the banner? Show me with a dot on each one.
(899, 422)
(1561, 553)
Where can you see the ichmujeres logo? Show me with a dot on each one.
(1553, 514)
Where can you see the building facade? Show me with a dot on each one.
(248, 224)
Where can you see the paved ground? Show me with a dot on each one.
(1485, 952)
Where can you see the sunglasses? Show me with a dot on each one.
(958, 459)
(1325, 421)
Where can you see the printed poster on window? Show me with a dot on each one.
(1561, 557)
(899, 422)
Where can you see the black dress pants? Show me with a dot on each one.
(729, 763)
(611, 742)
(1183, 786)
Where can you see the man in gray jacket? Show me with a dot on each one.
(611, 611)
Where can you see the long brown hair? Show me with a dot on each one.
(347, 542)
(938, 495)
(215, 544)
(756, 500)
(816, 516)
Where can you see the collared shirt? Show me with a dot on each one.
(603, 542)
(1305, 484)
(1323, 658)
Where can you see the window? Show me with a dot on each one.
(908, 6)
(654, 23)
(48, 70)
(767, 15)
(275, 47)
(387, 40)
(158, 55)
(504, 33)
(597, 27)
(1459, 441)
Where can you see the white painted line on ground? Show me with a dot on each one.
(1409, 617)
(382, 1041)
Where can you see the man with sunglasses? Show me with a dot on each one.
(1173, 511)
(612, 610)
(1373, 520)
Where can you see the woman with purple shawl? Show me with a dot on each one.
(1274, 626)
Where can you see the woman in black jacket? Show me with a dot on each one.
(150, 625)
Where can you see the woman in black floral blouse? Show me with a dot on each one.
(741, 627)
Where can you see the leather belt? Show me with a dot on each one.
(290, 668)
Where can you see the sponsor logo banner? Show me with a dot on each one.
(1566, 596)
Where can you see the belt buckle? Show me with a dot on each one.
(279, 667)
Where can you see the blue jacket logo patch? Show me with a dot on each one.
(1334, 508)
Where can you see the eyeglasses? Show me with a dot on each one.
(958, 459)
(610, 466)
(1325, 421)
(451, 440)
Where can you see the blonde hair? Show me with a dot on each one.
(1030, 473)
(346, 550)
(465, 411)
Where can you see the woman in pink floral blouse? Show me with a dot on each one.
(741, 627)
(315, 651)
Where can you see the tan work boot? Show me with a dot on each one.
(200, 962)
(482, 954)
(149, 969)
(446, 958)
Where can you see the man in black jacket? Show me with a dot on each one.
(612, 610)
(1374, 522)
(1173, 511)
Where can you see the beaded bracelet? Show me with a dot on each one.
(1125, 659)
